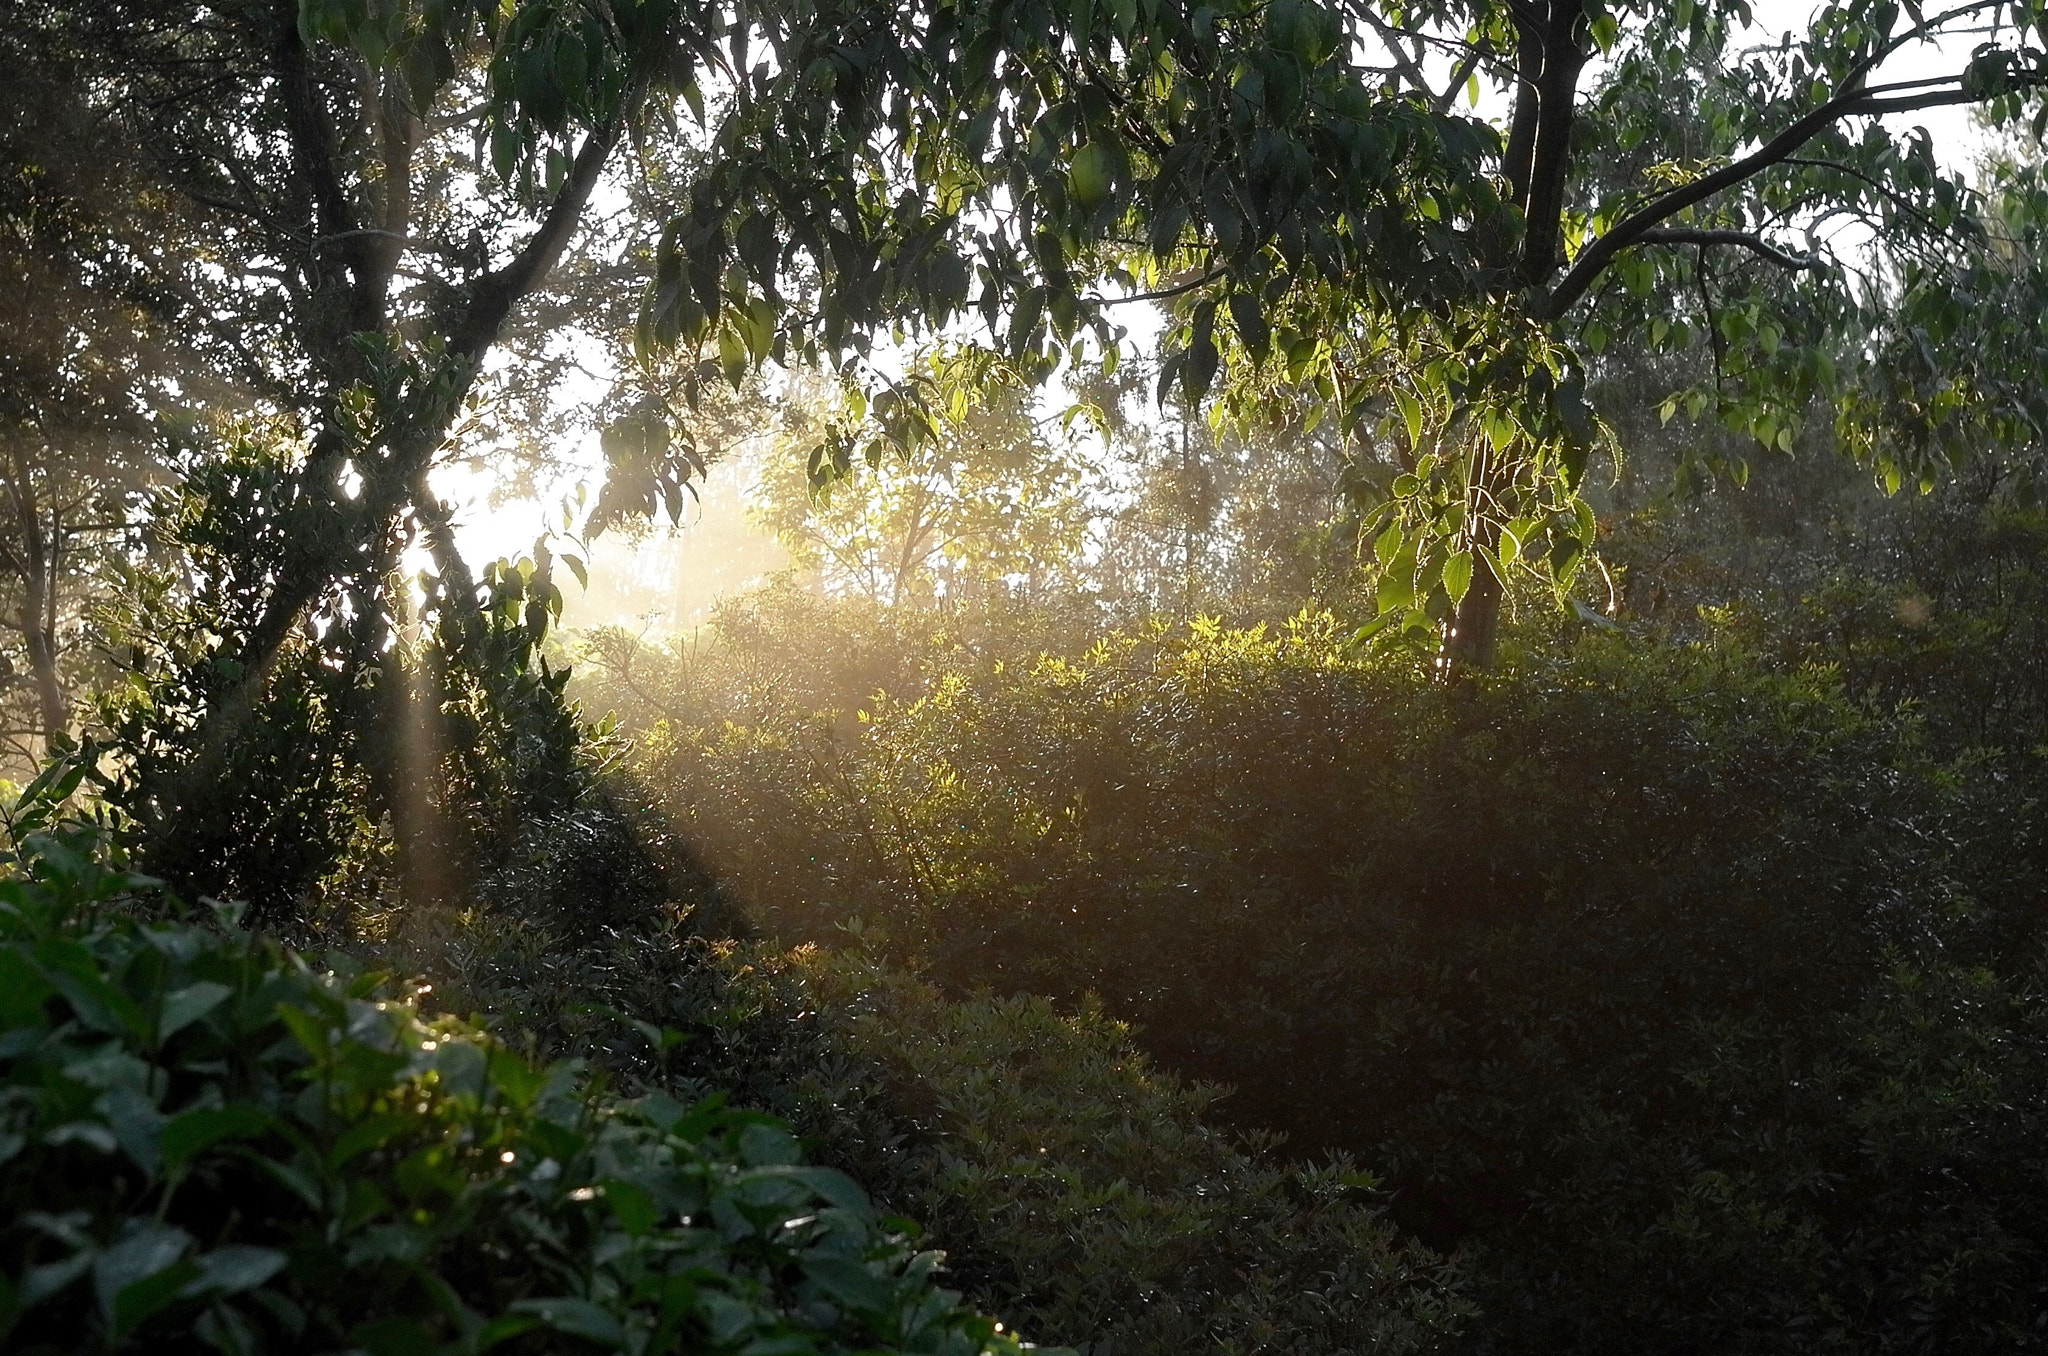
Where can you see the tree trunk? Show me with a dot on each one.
(1475, 624)
(430, 864)
(42, 659)
(1551, 53)
(39, 566)
(393, 479)
(1468, 643)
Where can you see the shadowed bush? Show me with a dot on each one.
(206, 1144)
(1606, 961)
(1073, 1187)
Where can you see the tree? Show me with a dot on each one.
(1294, 177)
(994, 504)
(381, 186)
(91, 358)
(1248, 523)
(392, 179)
(1727, 155)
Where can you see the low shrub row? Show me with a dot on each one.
(1089, 1197)
(208, 1144)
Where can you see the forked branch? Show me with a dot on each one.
(1874, 102)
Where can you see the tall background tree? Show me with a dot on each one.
(993, 508)
(97, 364)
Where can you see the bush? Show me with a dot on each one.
(1875, 1183)
(1093, 1193)
(1596, 959)
(1073, 1187)
(205, 1143)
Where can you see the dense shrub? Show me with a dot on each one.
(1939, 600)
(1600, 959)
(204, 1143)
(1100, 1201)
(1073, 1187)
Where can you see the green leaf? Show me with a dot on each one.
(138, 1301)
(72, 970)
(1090, 175)
(1388, 544)
(91, 1133)
(182, 1007)
(1167, 227)
(1501, 431)
(135, 1121)
(1397, 584)
(554, 1140)
(365, 1068)
(235, 1268)
(23, 990)
(834, 1186)
(850, 1284)
(768, 1145)
(38, 1283)
(148, 1250)
(1202, 356)
(192, 1132)
(295, 1180)
(313, 1035)
(576, 1317)
(372, 1132)
(1250, 319)
(1458, 575)
(1411, 415)
(463, 1068)
(1573, 411)
(504, 1328)
(634, 1208)
(505, 148)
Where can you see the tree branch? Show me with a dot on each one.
(1594, 259)
(312, 139)
(1688, 235)
(1442, 103)
(496, 293)
(1708, 320)
(1163, 294)
(1924, 28)
(1562, 56)
(1402, 61)
(1870, 181)
(1521, 143)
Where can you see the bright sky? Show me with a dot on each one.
(1957, 141)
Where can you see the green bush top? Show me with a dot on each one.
(207, 1144)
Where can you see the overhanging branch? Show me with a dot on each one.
(494, 295)
(1391, 41)
(1163, 294)
(1595, 258)
(1755, 244)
